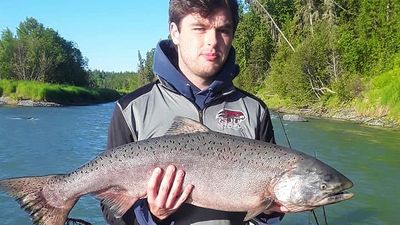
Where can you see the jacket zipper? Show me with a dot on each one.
(200, 111)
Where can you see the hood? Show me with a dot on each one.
(165, 66)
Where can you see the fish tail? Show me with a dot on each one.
(28, 191)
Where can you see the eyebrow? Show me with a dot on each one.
(228, 24)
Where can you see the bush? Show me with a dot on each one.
(383, 97)
(8, 87)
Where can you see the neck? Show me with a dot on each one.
(200, 82)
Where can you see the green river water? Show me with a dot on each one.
(37, 141)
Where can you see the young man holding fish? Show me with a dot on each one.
(195, 70)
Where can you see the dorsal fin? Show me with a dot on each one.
(183, 125)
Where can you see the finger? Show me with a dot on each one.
(185, 194)
(165, 186)
(176, 189)
(154, 184)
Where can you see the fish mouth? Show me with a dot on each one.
(335, 197)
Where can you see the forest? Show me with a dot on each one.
(339, 54)
(323, 55)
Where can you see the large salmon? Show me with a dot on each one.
(228, 173)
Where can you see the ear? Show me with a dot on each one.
(174, 32)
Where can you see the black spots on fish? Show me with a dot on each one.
(206, 154)
(211, 142)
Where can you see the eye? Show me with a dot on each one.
(323, 186)
(199, 29)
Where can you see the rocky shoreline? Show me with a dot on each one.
(345, 114)
(29, 103)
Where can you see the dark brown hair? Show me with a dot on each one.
(181, 8)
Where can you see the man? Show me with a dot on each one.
(195, 71)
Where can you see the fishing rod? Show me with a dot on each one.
(315, 154)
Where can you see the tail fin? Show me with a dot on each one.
(28, 192)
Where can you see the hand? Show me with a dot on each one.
(164, 192)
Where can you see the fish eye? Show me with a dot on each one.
(323, 186)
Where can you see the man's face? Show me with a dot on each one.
(203, 45)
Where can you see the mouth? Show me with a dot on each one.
(335, 197)
(211, 56)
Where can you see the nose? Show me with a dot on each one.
(211, 37)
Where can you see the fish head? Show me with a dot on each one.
(310, 184)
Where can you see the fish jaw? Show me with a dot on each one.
(337, 196)
(310, 184)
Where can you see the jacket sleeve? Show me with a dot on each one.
(118, 131)
(119, 134)
(265, 133)
(267, 219)
(142, 213)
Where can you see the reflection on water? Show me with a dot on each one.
(37, 141)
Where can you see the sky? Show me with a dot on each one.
(108, 33)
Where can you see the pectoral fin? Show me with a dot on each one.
(258, 210)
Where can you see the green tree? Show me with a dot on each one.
(39, 53)
(7, 48)
(145, 68)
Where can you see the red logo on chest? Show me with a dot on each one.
(230, 119)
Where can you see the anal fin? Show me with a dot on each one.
(117, 200)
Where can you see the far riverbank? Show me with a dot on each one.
(33, 93)
(345, 114)
(339, 114)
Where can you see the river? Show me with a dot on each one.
(37, 141)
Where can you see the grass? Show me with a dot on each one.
(62, 94)
(380, 99)
(383, 96)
